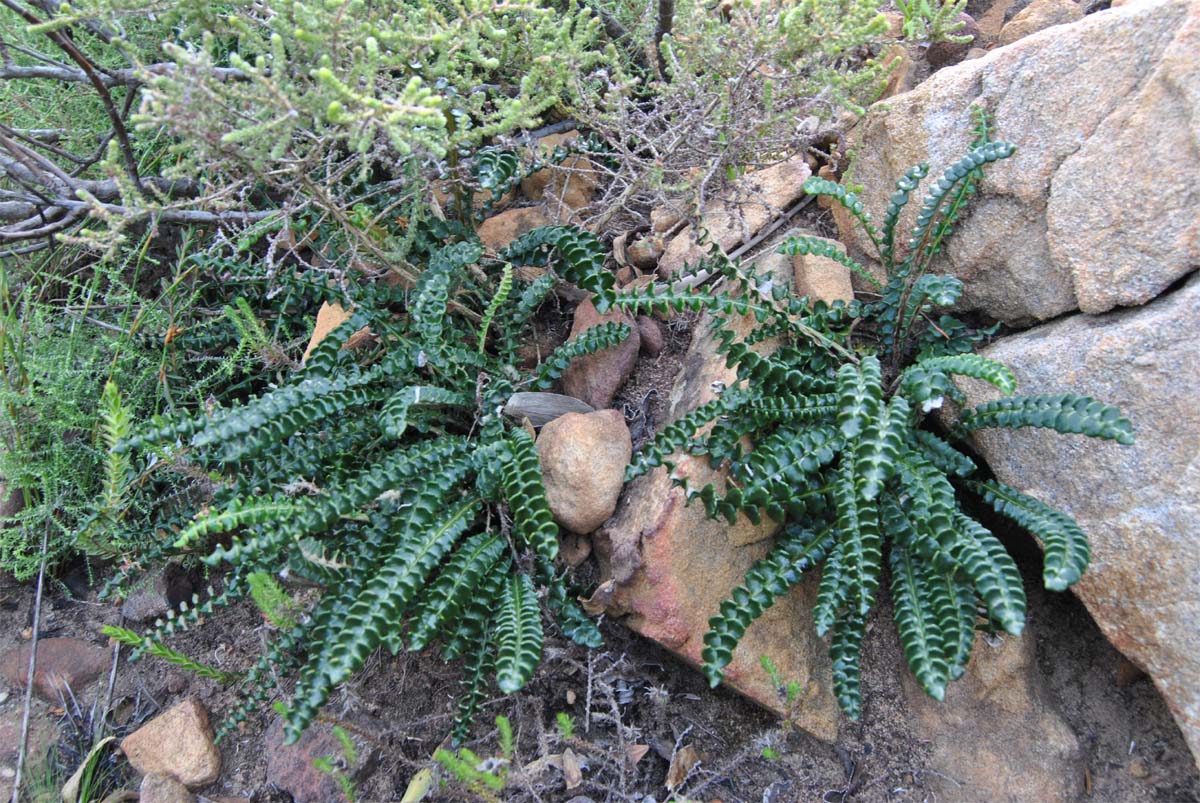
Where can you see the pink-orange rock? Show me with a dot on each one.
(995, 737)
(499, 230)
(667, 566)
(178, 743)
(595, 378)
(1039, 15)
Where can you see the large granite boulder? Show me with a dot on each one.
(1140, 504)
(1098, 208)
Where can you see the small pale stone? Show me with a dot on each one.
(583, 460)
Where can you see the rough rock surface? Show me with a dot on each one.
(572, 183)
(738, 213)
(583, 458)
(994, 738)
(596, 378)
(1097, 208)
(157, 788)
(178, 743)
(62, 663)
(1140, 504)
(1038, 16)
(157, 594)
(499, 230)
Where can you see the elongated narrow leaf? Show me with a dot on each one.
(518, 635)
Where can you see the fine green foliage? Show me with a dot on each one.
(481, 778)
(275, 604)
(843, 457)
(933, 20)
(142, 644)
(390, 478)
(335, 766)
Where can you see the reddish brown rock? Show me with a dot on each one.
(178, 743)
(62, 663)
(571, 183)
(596, 378)
(944, 53)
(583, 460)
(290, 767)
(651, 333)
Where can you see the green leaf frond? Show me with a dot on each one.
(905, 186)
(795, 553)
(323, 360)
(778, 469)
(920, 243)
(1064, 542)
(1066, 413)
(422, 542)
(580, 258)
(597, 338)
(533, 523)
(858, 528)
(503, 288)
(922, 637)
(845, 198)
(142, 643)
(432, 293)
(456, 585)
(571, 618)
(496, 169)
(846, 651)
(942, 455)
(819, 246)
(994, 574)
(927, 383)
(393, 417)
(676, 437)
(518, 634)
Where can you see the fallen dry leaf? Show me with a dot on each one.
(330, 317)
(636, 752)
(682, 762)
(572, 773)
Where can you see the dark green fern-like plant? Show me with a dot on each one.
(843, 459)
(391, 479)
